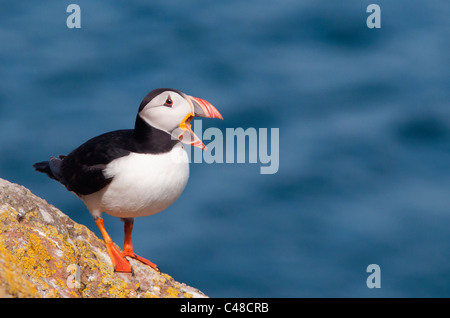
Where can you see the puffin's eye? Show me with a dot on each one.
(168, 102)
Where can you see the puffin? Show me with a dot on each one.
(136, 172)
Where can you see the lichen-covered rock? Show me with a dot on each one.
(43, 253)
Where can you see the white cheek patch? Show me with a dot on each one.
(156, 118)
(165, 118)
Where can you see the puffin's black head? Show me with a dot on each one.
(171, 111)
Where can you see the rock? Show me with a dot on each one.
(43, 253)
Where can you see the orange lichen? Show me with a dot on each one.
(40, 248)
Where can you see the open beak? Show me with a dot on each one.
(199, 108)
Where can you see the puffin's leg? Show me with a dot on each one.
(119, 262)
(128, 244)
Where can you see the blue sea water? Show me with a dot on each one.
(363, 117)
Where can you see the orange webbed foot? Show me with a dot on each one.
(142, 260)
(128, 246)
(120, 263)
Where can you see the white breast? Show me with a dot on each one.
(143, 184)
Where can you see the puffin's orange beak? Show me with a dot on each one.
(202, 108)
(199, 108)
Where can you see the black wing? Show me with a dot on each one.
(82, 170)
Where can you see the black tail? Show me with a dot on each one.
(51, 168)
(44, 167)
